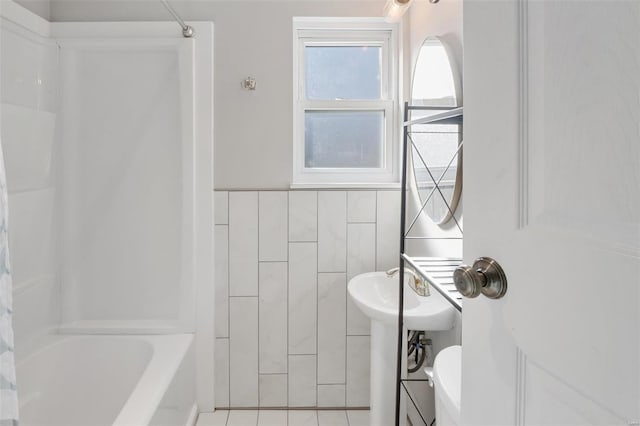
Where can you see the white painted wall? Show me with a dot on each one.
(253, 131)
(442, 19)
(41, 8)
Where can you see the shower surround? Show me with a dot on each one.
(108, 138)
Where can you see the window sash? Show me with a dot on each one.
(378, 174)
(386, 92)
(386, 149)
(362, 34)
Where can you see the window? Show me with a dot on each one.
(345, 102)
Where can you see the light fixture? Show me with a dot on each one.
(394, 9)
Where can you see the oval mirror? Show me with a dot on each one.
(436, 152)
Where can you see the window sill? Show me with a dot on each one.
(318, 185)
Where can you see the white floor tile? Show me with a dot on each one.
(303, 418)
(242, 418)
(332, 418)
(272, 418)
(217, 418)
(358, 417)
(285, 418)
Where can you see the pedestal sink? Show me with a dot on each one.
(376, 295)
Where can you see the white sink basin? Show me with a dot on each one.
(377, 296)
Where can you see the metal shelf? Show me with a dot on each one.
(452, 116)
(438, 271)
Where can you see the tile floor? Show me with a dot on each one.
(284, 418)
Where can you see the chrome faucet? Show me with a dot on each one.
(419, 285)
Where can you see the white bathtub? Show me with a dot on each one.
(92, 380)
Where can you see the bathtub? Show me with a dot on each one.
(96, 380)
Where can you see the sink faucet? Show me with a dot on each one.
(419, 285)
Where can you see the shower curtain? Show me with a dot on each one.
(8, 394)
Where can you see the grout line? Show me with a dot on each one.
(308, 189)
(286, 298)
(346, 325)
(345, 401)
(289, 207)
(317, 291)
(258, 307)
(343, 286)
(228, 284)
(375, 237)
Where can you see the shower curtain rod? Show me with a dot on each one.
(187, 30)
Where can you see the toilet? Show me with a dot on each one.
(447, 381)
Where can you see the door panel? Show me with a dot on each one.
(552, 162)
(550, 401)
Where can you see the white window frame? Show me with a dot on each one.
(348, 32)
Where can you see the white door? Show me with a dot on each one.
(552, 192)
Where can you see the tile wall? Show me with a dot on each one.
(287, 334)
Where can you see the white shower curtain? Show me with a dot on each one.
(8, 394)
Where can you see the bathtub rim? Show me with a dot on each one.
(169, 352)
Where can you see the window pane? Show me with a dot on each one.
(343, 72)
(343, 139)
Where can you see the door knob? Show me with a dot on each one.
(486, 276)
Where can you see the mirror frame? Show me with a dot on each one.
(457, 86)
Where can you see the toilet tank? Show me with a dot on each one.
(447, 379)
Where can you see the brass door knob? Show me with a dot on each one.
(486, 276)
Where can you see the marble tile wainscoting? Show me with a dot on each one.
(287, 334)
